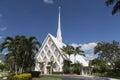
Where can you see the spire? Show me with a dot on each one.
(59, 34)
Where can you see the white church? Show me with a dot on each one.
(51, 51)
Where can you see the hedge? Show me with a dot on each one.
(24, 76)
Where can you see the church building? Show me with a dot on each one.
(51, 51)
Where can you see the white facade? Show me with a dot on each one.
(51, 51)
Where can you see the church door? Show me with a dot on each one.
(48, 69)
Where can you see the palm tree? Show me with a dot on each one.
(10, 44)
(31, 46)
(28, 48)
(69, 50)
(52, 65)
(10, 62)
(116, 7)
(77, 50)
(23, 51)
(41, 65)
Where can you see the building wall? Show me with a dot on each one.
(49, 52)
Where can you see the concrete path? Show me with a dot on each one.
(78, 77)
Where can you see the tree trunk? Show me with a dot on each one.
(70, 65)
(51, 70)
(10, 68)
(21, 69)
(16, 69)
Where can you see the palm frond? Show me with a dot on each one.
(116, 8)
(109, 2)
(8, 38)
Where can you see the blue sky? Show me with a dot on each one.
(82, 21)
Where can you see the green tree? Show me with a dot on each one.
(10, 62)
(30, 47)
(77, 50)
(98, 65)
(77, 67)
(116, 6)
(10, 44)
(69, 50)
(2, 67)
(117, 66)
(21, 52)
(108, 52)
(41, 65)
(66, 66)
(52, 65)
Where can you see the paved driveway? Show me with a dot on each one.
(72, 77)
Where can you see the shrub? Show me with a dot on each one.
(113, 74)
(35, 73)
(24, 76)
(2, 67)
(10, 76)
(66, 67)
(77, 67)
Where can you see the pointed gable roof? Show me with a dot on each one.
(56, 42)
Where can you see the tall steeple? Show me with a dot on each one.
(59, 34)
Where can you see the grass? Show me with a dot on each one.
(47, 78)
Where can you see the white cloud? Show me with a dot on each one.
(3, 28)
(88, 49)
(90, 56)
(1, 38)
(85, 47)
(48, 1)
(88, 46)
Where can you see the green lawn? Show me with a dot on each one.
(47, 78)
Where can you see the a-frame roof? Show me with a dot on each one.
(56, 42)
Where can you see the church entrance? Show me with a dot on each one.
(48, 69)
